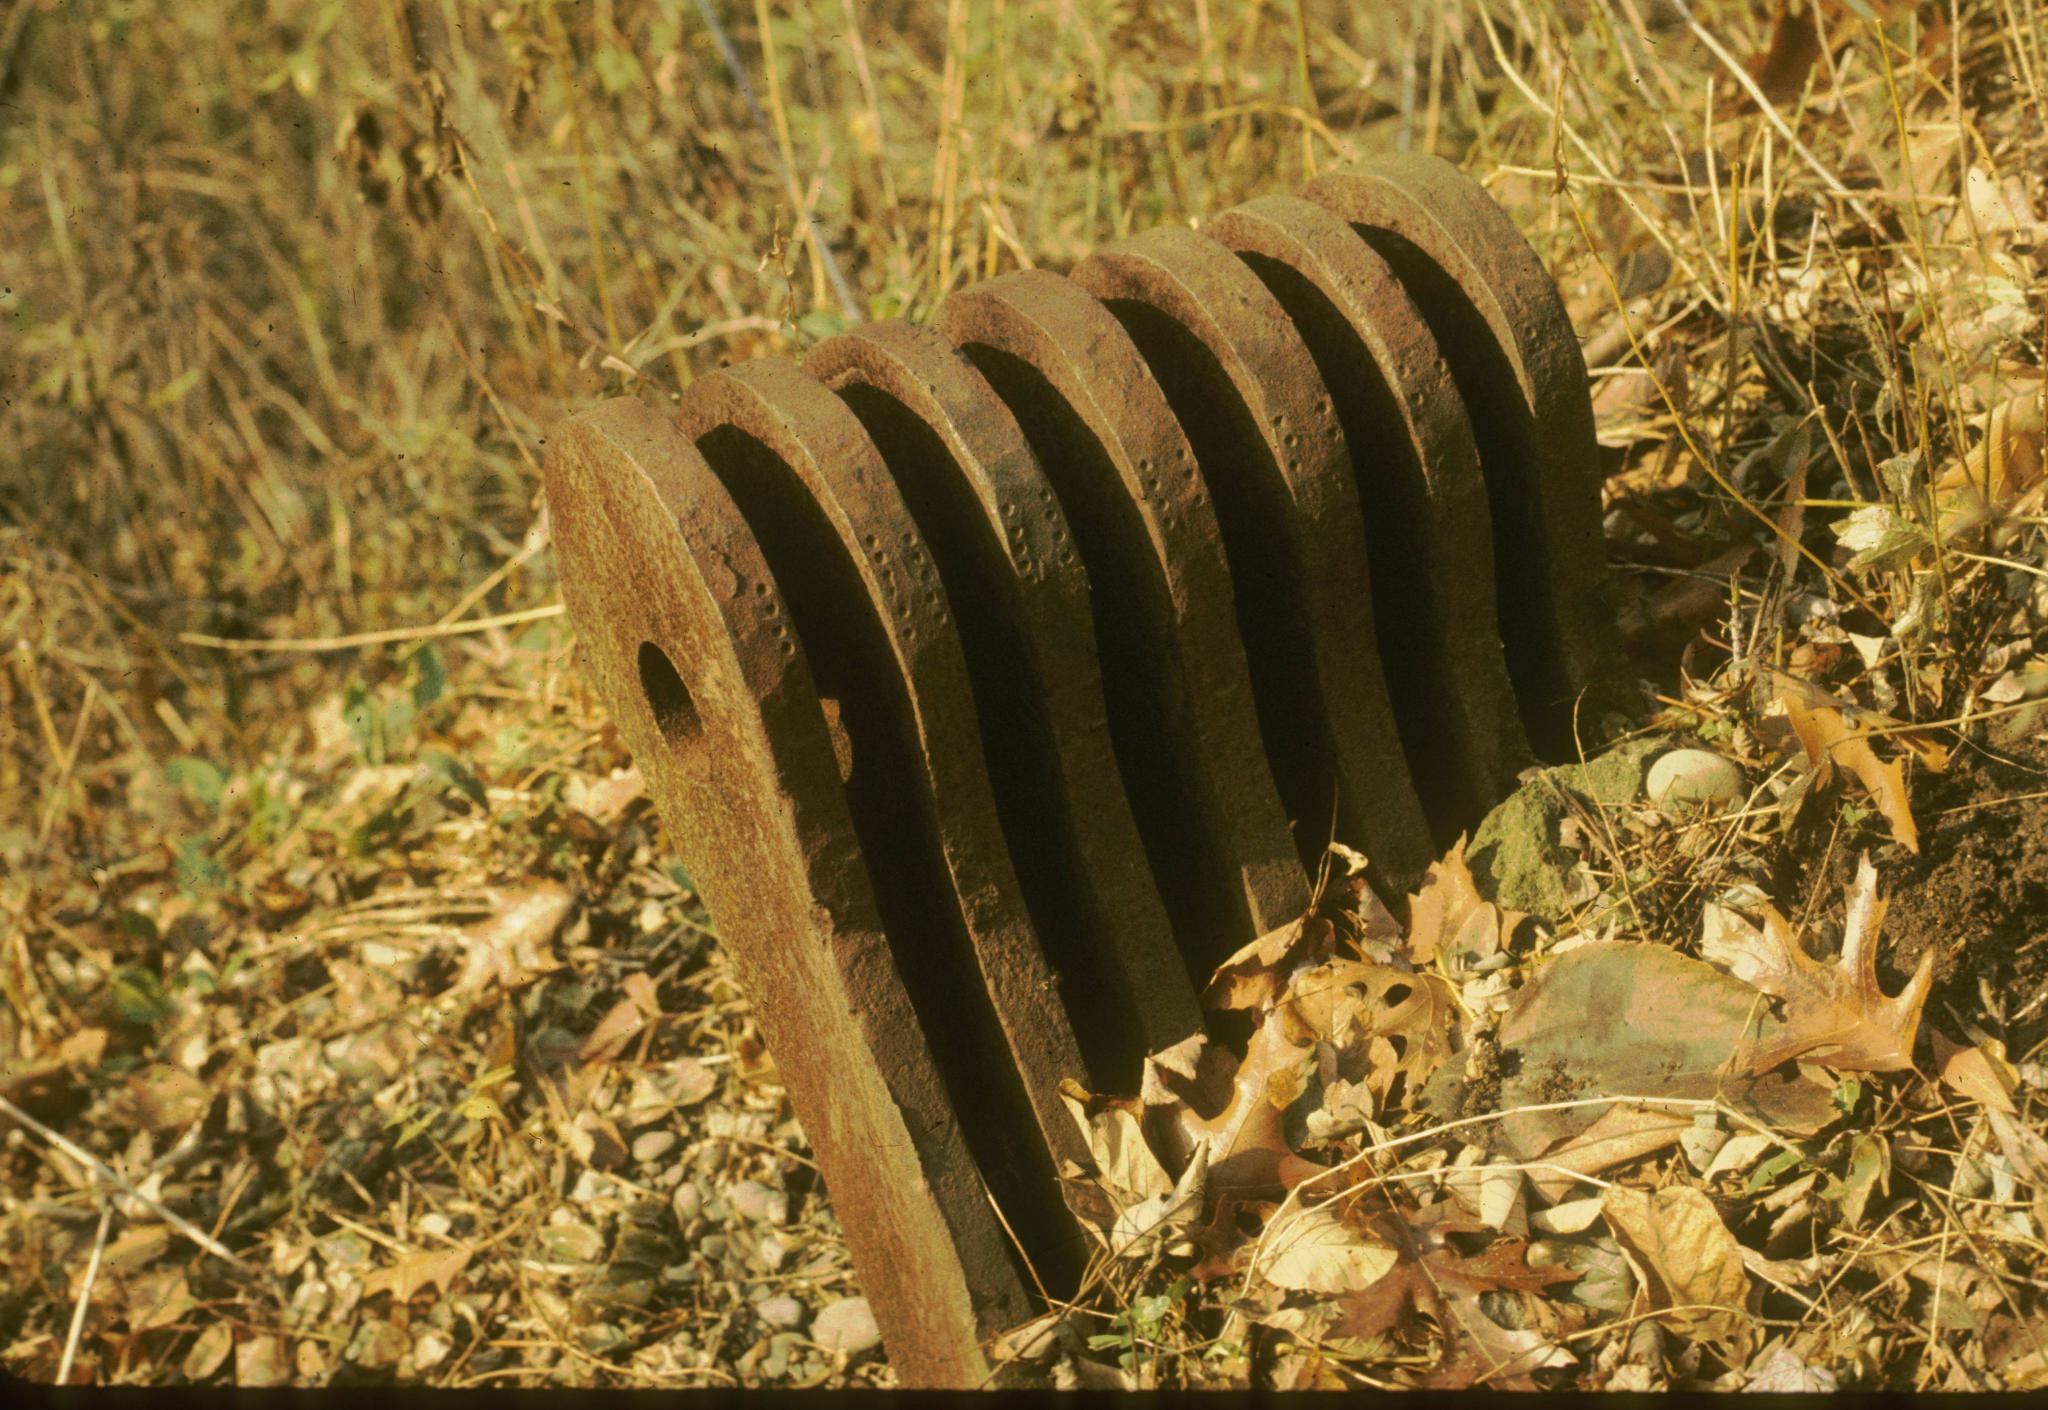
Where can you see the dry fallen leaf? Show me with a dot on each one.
(260, 1361)
(1685, 1257)
(415, 1271)
(1980, 1073)
(2002, 474)
(1158, 1218)
(1833, 1013)
(1247, 1146)
(1623, 1132)
(1449, 918)
(1110, 1126)
(506, 949)
(1255, 976)
(620, 1025)
(1778, 1370)
(1433, 1278)
(1388, 1028)
(1829, 739)
(2025, 1149)
(1617, 1019)
(1314, 1250)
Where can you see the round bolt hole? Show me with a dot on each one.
(675, 714)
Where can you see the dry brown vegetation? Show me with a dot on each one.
(356, 1025)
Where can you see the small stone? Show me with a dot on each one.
(259, 1361)
(344, 1251)
(212, 1347)
(712, 1246)
(650, 1146)
(1694, 776)
(600, 1337)
(783, 1348)
(687, 1201)
(430, 1350)
(847, 1326)
(573, 1243)
(783, 1312)
(378, 1345)
(773, 1253)
(308, 1303)
(753, 1200)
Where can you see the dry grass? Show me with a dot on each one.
(289, 294)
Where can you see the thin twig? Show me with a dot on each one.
(376, 638)
(114, 1177)
(92, 1273)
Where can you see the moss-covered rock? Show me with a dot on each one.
(1517, 855)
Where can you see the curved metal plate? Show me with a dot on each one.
(1428, 534)
(1514, 356)
(1265, 433)
(689, 645)
(1179, 691)
(867, 605)
(1015, 580)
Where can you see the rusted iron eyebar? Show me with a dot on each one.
(997, 678)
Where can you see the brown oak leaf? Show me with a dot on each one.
(1433, 1279)
(1384, 1025)
(416, 1271)
(1448, 917)
(1835, 1013)
(1256, 975)
(1245, 1139)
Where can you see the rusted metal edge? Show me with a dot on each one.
(1179, 691)
(1513, 353)
(1266, 436)
(1016, 582)
(689, 644)
(868, 606)
(1427, 527)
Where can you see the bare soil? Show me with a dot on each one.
(1978, 892)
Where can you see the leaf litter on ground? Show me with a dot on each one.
(1605, 1055)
